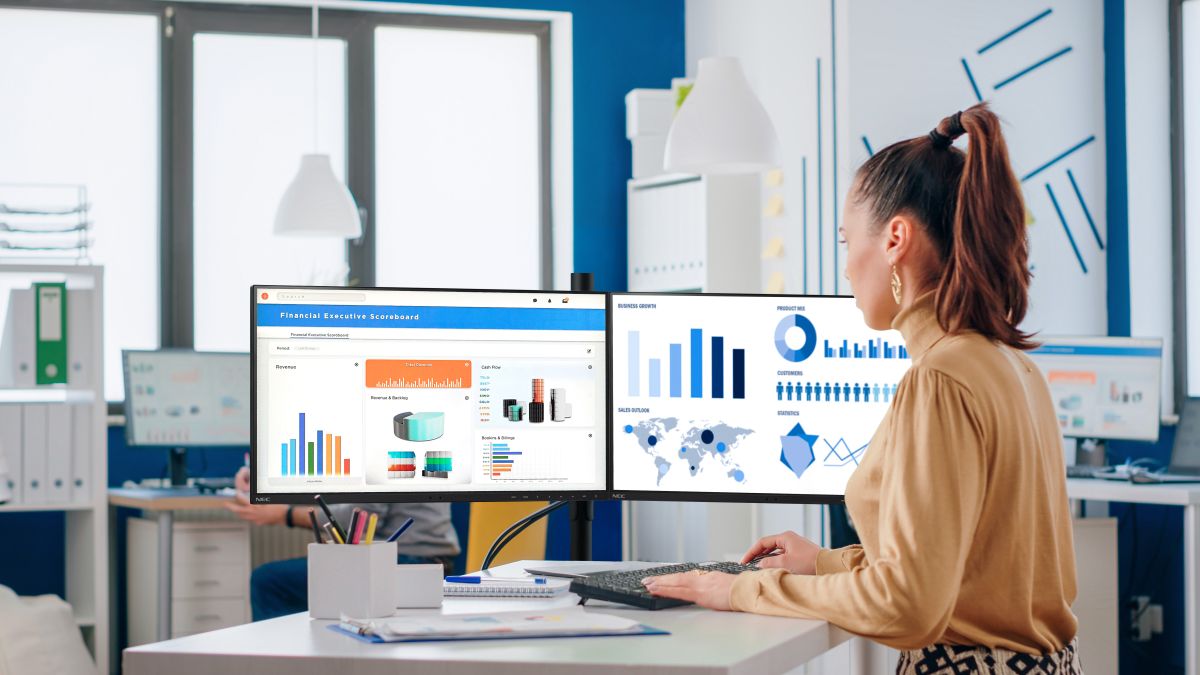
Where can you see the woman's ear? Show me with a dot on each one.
(897, 239)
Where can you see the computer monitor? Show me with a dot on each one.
(375, 394)
(1104, 388)
(178, 398)
(745, 398)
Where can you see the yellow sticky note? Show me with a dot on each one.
(1029, 220)
(774, 207)
(774, 178)
(774, 248)
(775, 283)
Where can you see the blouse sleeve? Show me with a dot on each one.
(929, 503)
(834, 560)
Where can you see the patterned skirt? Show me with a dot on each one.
(958, 660)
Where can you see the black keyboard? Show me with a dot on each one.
(626, 587)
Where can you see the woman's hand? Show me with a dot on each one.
(707, 589)
(796, 554)
(241, 482)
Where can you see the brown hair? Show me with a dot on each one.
(970, 205)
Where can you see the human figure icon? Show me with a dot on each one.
(827, 391)
(808, 391)
(875, 392)
(789, 390)
(779, 390)
(846, 392)
(866, 392)
(857, 392)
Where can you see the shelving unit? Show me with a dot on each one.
(86, 520)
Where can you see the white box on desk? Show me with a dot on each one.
(356, 580)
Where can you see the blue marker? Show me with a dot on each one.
(480, 580)
(396, 535)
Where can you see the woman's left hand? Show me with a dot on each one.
(707, 589)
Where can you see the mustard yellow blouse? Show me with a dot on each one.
(961, 505)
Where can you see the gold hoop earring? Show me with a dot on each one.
(896, 285)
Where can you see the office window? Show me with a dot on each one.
(253, 118)
(457, 168)
(80, 105)
(1190, 56)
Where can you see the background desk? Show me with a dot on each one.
(161, 504)
(701, 641)
(1185, 495)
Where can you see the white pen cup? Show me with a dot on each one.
(358, 581)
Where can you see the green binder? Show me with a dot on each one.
(50, 321)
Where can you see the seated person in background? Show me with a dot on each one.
(281, 587)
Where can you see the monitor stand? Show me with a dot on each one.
(177, 467)
(582, 514)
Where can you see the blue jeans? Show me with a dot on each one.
(280, 588)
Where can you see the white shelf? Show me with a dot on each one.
(33, 508)
(46, 395)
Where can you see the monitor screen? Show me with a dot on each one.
(407, 395)
(181, 398)
(745, 398)
(1104, 387)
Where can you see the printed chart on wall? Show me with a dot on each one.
(430, 392)
(769, 395)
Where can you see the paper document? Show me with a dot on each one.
(570, 621)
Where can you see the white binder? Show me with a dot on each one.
(10, 446)
(58, 453)
(17, 353)
(81, 454)
(79, 338)
(33, 453)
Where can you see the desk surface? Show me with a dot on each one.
(701, 641)
(1178, 494)
(159, 499)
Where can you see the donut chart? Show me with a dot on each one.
(810, 338)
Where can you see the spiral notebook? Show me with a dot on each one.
(497, 588)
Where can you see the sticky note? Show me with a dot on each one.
(775, 283)
(774, 178)
(1029, 220)
(774, 207)
(774, 248)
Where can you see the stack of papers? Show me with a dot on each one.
(571, 622)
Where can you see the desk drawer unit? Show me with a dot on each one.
(189, 617)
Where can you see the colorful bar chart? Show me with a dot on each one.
(413, 374)
(877, 348)
(501, 459)
(676, 371)
(320, 457)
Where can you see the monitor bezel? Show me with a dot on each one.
(257, 497)
(672, 496)
(129, 419)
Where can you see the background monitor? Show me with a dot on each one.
(1104, 387)
(745, 398)
(182, 398)
(366, 395)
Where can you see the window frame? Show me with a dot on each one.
(179, 22)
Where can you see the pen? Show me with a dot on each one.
(769, 554)
(352, 529)
(334, 537)
(400, 530)
(312, 519)
(482, 580)
(337, 529)
(370, 536)
(360, 527)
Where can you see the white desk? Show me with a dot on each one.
(701, 642)
(1184, 495)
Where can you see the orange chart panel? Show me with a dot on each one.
(418, 374)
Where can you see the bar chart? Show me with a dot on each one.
(695, 368)
(319, 457)
(418, 374)
(873, 349)
(501, 459)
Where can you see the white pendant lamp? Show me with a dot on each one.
(316, 203)
(721, 126)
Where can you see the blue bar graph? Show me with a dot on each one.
(697, 363)
(655, 377)
(676, 370)
(295, 467)
(635, 358)
(284, 460)
(739, 373)
(303, 467)
(876, 348)
(320, 452)
(718, 367)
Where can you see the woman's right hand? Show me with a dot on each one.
(796, 554)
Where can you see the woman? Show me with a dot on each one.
(960, 501)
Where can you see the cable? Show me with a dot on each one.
(517, 528)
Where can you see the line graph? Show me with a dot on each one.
(846, 456)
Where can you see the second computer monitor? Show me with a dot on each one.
(745, 398)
